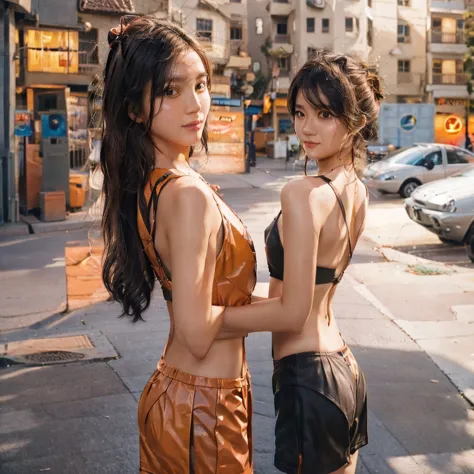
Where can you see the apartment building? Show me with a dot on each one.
(283, 34)
(221, 28)
(446, 85)
(399, 48)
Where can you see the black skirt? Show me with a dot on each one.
(321, 411)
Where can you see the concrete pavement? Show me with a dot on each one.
(81, 418)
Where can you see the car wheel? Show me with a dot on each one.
(408, 187)
(470, 243)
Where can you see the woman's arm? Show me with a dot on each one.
(301, 233)
(192, 232)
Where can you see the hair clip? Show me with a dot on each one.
(118, 31)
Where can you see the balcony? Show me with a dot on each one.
(452, 6)
(281, 45)
(450, 79)
(218, 53)
(448, 43)
(37, 66)
(407, 83)
(236, 47)
(450, 38)
(405, 77)
(280, 7)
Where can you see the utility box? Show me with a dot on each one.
(55, 153)
(53, 206)
(403, 125)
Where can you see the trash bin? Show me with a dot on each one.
(77, 190)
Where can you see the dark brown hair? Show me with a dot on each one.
(344, 87)
(141, 53)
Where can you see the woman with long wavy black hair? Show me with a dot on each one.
(162, 220)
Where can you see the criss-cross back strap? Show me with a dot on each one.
(344, 216)
(146, 207)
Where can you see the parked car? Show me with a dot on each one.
(407, 168)
(377, 151)
(446, 208)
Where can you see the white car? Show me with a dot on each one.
(404, 170)
(446, 208)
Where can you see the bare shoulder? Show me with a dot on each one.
(188, 199)
(305, 190)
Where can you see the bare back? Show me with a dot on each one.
(320, 332)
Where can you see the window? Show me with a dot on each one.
(284, 64)
(349, 24)
(436, 24)
(53, 51)
(235, 32)
(258, 26)
(403, 33)
(370, 32)
(282, 28)
(235, 1)
(89, 47)
(458, 157)
(436, 157)
(369, 3)
(403, 3)
(404, 65)
(204, 29)
(325, 25)
(310, 25)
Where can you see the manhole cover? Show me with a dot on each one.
(53, 356)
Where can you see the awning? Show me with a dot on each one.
(239, 62)
(25, 5)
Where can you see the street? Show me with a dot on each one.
(411, 331)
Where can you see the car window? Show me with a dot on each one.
(436, 157)
(459, 157)
(408, 156)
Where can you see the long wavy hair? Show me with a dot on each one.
(142, 54)
(351, 90)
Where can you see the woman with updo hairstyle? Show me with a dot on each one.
(163, 222)
(319, 390)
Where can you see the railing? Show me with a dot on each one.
(88, 62)
(285, 39)
(236, 47)
(449, 38)
(280, 1)
(450, 79)
(405, 77)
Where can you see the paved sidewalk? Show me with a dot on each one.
(81, 418)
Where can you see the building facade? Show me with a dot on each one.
(400, 45)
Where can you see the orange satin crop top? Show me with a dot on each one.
(235, 273)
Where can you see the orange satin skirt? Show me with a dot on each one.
(195, 425)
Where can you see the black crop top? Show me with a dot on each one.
(275, 252)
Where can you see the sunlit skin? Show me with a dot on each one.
(188, 231)
(296, 309)
(181, 114)
(323, 136)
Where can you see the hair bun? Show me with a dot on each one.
(374, 83)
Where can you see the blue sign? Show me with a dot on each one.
(408, 123)
(53, 125)
(23, 120)
(226, 102)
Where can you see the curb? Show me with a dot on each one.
(403, 258)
